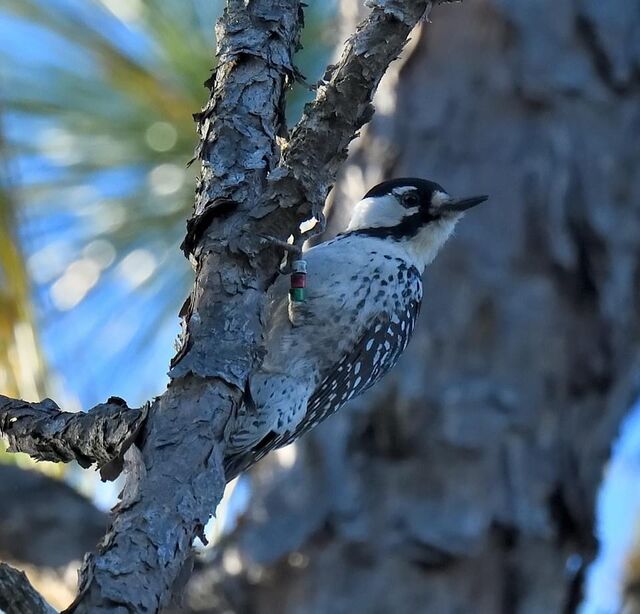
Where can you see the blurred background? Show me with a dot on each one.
(497, 468)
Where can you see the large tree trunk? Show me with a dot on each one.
(466, 481)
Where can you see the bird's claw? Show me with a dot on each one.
(290, 248)
(294, 250)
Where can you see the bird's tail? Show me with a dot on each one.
(235, 464)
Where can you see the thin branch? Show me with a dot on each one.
(45, 432)
(17, 596)
(342, 106)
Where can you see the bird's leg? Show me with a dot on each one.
(289, 248)
(299, 239)
(294, 249)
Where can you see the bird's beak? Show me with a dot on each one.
(458, 205)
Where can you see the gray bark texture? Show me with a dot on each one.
(466, 481)
(17, 596)
(43, 431)
(251, 185)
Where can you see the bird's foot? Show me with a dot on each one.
(294, 250)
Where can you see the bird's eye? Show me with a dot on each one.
(410, 200)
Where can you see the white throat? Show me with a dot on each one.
(424, 246)
(386, 212)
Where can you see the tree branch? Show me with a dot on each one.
(248, 187)
(45, 432)
(318, 144)
(17, 596)
(176, 480)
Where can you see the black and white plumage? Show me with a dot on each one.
(363, 297)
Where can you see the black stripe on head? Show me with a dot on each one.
(407, 228)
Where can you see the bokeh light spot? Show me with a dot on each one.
(137, 266)
(59, 146)
(161, 136)
(48, 262)
(125, 10)
(101, 251)
(166, 179)
(79, 277)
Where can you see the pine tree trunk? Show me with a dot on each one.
(466, 481)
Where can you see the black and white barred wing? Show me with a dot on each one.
(377, 351)
(373, 356)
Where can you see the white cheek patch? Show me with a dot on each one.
(440, 198)
(377, 212)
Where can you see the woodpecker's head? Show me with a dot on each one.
(416, 213)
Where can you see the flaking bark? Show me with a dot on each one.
(46, 433)
(465, 482)
(318, 144)
(248, 188)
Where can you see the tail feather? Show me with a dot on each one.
(235, 464)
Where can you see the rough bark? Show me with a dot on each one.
(41, 430)
(176, 480)
(248, 188)
(17, 596)
(466, 482)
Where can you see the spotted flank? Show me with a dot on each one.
(362, 303)
(372, 358)
(331, 339)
